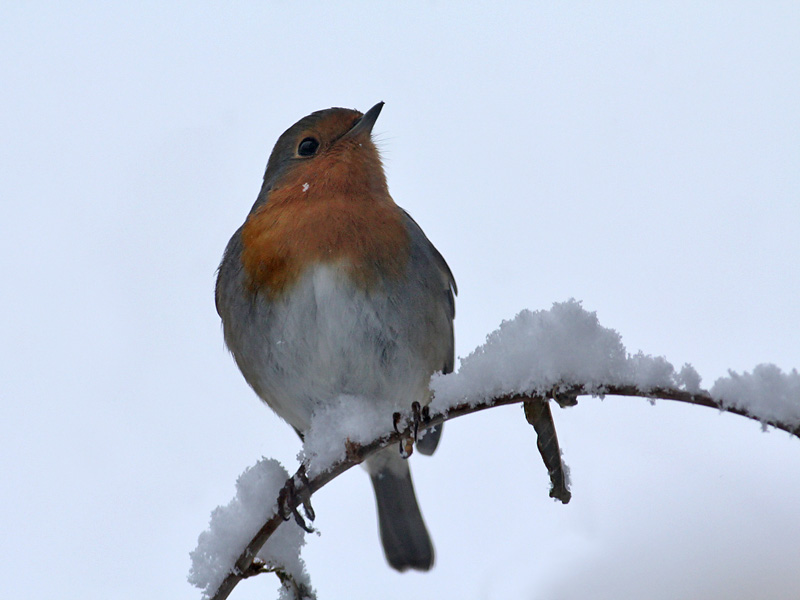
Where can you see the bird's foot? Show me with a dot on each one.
(294, 494)
(420, 416)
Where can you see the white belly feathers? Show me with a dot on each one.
(327, 338)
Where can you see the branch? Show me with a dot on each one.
(537, 413)
(246, 566)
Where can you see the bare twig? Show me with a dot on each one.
(356, 454)
(537, 412)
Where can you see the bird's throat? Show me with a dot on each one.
(286, 236)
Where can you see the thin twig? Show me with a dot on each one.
(537, 412)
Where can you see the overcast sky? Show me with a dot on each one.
(643, 158)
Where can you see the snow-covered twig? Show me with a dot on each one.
(561, 353)
(356, 454)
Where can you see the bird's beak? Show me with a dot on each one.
(363, 126)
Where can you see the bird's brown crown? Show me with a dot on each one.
(325, 200)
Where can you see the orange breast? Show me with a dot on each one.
(310, 222)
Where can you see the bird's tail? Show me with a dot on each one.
(405, 538)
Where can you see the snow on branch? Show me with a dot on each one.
(561, 353)
(232, 527)
(567, 348)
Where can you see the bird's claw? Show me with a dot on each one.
(420, 416)
(296, 493)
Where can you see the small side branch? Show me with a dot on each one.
(538, 414)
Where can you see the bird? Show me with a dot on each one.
(330, 289)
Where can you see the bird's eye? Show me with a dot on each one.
(307, 147)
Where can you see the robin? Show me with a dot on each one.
(329, 288)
